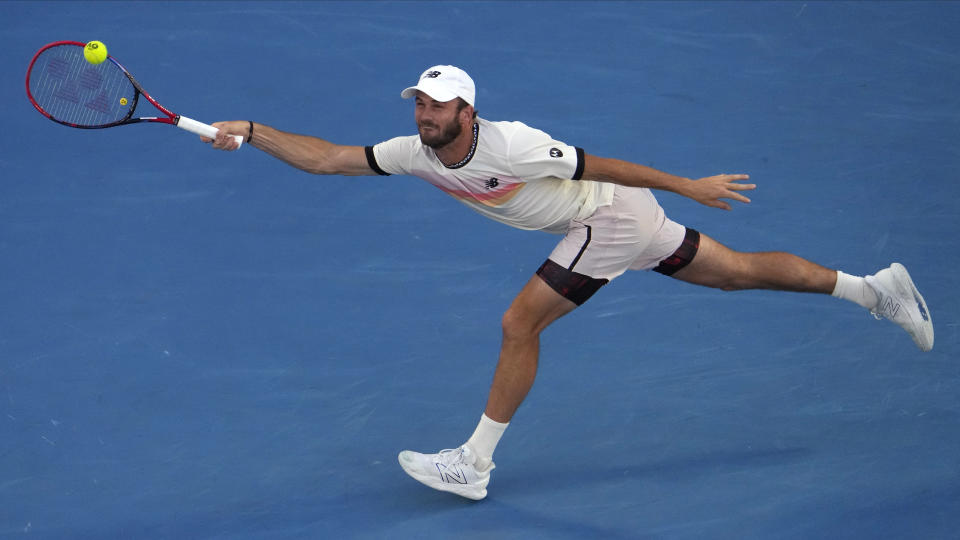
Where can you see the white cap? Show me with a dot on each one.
(444, 83)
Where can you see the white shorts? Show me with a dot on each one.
(632, 233)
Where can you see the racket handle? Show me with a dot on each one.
(204, 130)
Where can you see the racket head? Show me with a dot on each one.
(67, 89)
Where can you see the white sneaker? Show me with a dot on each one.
(900, 301)
(449, 470)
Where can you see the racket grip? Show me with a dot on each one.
(204, 130)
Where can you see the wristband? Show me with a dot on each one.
(250, 131)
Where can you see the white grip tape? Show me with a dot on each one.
(204, 130)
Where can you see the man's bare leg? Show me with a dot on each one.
(535, 308)
(890, 293)
(718, 266)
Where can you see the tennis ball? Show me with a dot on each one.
(123, 101)
(95, 52)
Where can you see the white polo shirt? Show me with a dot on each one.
(514, 174)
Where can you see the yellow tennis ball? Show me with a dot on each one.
(123, 101)
(95, 52)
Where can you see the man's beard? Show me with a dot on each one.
(444, 135)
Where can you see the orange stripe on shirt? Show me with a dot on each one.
(497, 197)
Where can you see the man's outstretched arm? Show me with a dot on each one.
(706, 191)
(306, 153)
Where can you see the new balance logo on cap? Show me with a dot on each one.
(444, 83)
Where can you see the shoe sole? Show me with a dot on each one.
(922, 340)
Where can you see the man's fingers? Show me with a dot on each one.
(738, 197)
(730, 186)
(222, 141)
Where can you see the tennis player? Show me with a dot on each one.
(609, 220)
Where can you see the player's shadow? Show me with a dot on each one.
(505, 519)
(541, 478)
(536, 477)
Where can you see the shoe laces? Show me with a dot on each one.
(452, 455)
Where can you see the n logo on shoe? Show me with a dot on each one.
(451, 475)
(888, 306)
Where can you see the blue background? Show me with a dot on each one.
(196, 344)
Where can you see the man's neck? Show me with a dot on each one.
(459, 149)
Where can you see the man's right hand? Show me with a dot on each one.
(224, 139)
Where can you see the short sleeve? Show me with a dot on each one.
(534, 155)
(393, 156)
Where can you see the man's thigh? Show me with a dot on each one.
(713, 265)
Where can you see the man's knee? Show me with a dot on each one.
(517, 325)
(539, 304)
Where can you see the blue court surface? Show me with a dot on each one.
(198, 344)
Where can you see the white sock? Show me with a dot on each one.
(856, 290)
(484, 440)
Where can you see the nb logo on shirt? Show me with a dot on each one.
(491, 183)
(555, 152)
(431, 75)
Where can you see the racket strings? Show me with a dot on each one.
(76, 92)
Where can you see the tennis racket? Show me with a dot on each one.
(67, 89)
